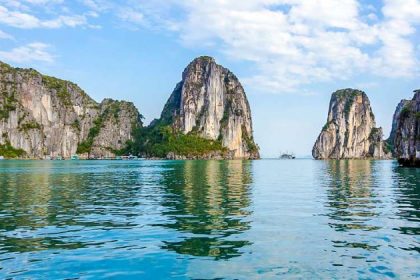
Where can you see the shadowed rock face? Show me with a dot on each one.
(211, 102)
(350, 131)
(46, 116)
(395, 121)
(407, 135)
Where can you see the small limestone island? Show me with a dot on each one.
(207, 116)
(351, 132)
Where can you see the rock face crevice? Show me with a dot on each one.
(46, 116)
(211, 102)
(350, 131)
(407, 132)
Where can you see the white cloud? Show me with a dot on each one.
(291, 43)
(71, 21)
(4, 35)
(24, 20)
(43, 2)
(97, 5)
(32, 52)
(18, 19)
(131, 16)
(294, 43)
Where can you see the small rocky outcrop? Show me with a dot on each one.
(407, 133)
(350, 131)
(210, 102)
(45, 116)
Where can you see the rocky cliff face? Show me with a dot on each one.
(407, 133)
(350, 131)
(211, 102)
(45, 116)
(395, 121)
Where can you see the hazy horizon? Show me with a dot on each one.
(289, 55)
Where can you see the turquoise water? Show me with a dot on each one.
(267, 219)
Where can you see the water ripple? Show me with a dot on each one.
(209, 220)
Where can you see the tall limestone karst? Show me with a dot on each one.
(350, 131)
(407, 133)
(210, 102)
(44, 116)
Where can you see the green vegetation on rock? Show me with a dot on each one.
(348, 96)
(252, 147)
(347, 93)
(60, 86)
(325, 127)
(388, 147)
(405, 112)
(8, 151)
(30, 125)
(111, 112)
(76, 125)
(86, 146)
(8, 104)
(159, 140)
(375, 133)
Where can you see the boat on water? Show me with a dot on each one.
(287, 156)
(130, 157)
(1, 157)
(74, 157)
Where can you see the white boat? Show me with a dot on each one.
(287, 156)
(1, 157)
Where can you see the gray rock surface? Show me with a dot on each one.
(350, 131)
(407, 135)
(395, 121)
(46, 116)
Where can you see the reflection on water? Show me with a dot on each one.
(265, 219)
(36, 205)
(408, 200)
(351, 199)
(207, 201)
(365, 201)
(357, 199)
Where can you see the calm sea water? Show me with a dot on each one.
(267, 219)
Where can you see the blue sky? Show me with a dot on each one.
(290, 55)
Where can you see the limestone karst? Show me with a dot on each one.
(210, 102)
(44, 116)
(406, 138)
(350, 131)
